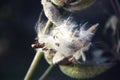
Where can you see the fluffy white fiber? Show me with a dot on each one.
(68, 39)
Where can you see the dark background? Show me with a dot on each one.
(17, 21)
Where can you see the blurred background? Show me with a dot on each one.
(17, 33)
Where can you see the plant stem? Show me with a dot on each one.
(34, 64)
(44, 76)
(48, 24)
(37, 57)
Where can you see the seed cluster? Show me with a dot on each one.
(65, 43)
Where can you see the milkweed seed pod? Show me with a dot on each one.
(73, 5)
(52, 12)
(66, 41)
(65, 45)
(83, 71)
(88, 70)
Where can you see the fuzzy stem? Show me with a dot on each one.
(44, 76)
(34, 64)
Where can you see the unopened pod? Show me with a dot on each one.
(73, 5)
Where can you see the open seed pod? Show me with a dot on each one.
(71, 66)
(73, 5)
(65, 45)
(82, 71)
(89, 70)
(101, 63)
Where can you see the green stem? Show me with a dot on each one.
(44, 76)
(37, 57)
(34, 64)
(48, 24)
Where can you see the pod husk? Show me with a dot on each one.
(83, 71)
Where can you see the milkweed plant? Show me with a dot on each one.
(66, 43)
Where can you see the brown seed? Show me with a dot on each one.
(52, 51)
(37, 45)
(57, 44)
(45, 49)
